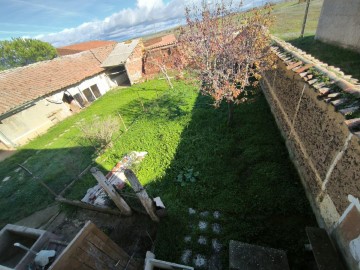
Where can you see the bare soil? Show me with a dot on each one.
(135, 234)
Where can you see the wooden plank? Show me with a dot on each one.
(89, 206)
(325, 254)
(112, 249)
(141, 193)
(115, 254)
(92, 249)
(60, 262)
(109, 189)
(73, 263)
(89, 260)
(99, 257)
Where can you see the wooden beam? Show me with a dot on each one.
(88, 206)
(110, 190)
(141, 193)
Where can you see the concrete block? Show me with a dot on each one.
(251, 257)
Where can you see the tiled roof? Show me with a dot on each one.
(84, 46)
(160, 42)
(21, 85)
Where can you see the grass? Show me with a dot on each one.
(60, 154)
(244, 170)
(289, 19)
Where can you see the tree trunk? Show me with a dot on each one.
(230, 113)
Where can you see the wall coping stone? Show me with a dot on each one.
(341, 91)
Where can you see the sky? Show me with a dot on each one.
(64, 22)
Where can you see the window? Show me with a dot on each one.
(79, 99)
(94, 88)
(89, 95)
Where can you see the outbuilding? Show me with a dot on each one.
(37, 96)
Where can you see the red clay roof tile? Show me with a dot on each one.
(21, 85)
(160, 42)
(84, 46)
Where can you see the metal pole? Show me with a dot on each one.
(305, 18)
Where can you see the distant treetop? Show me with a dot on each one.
(19, 52)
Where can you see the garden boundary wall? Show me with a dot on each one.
(310, 112)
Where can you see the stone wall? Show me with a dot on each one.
(339, 23)
(324, 151)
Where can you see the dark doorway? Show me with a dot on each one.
(80, 100)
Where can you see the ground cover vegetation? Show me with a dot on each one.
(242, 171)
(194, 161)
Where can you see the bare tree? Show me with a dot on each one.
(227, 50)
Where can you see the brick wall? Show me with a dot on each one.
(324, 151)
(169, 56)
(134, 64)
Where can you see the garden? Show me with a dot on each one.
(195, 162)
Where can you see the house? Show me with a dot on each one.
(35, 97)
(159, 51)
(339, 23)
(84, 46)
(125, 62)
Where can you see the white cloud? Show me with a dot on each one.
(149, 4)
(147, 17)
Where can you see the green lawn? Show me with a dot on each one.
(288, 23)
(289, 18)
(60, 154)
(244, 170)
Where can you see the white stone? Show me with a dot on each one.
(216, 228)
(187, 239)
(200, 260)
(216, 214)
(17, 170)
(7, 178)
(204, 214)
(192, 211)
(185, 257)
(202, 240)
(216, 245)
(203, 225)
(355, 249)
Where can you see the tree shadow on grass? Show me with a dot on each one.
(168, 105)
(348, 61)
(245, 173)
(21, 194)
